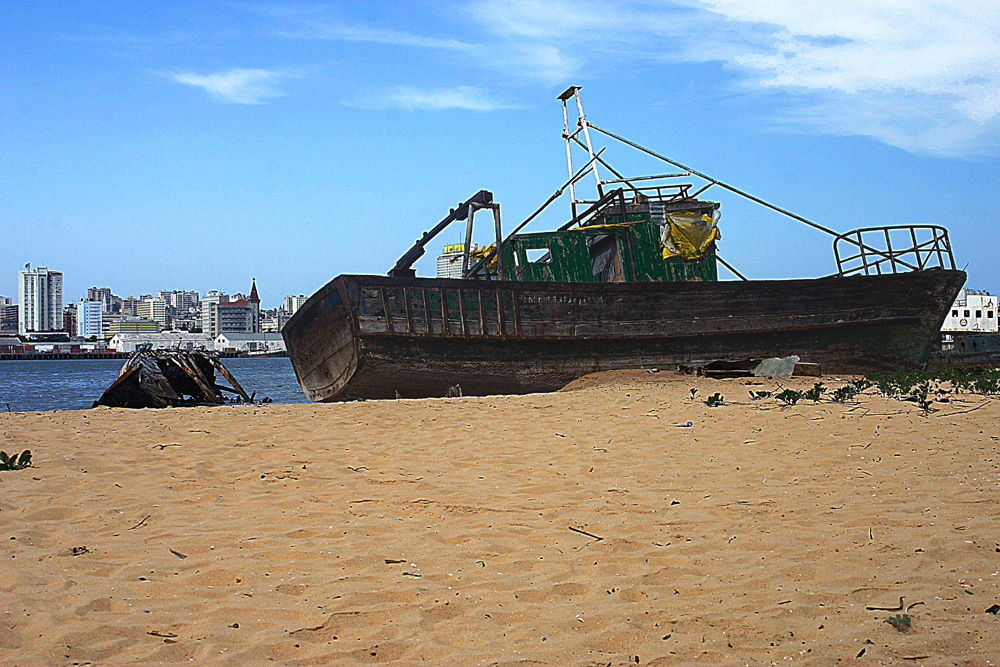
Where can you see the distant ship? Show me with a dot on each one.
(971, 332)
(630, 281)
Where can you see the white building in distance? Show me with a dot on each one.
(974, 311)
(449, 262)
(89, 319)
(165, 340)
(249, 342)
(293, 303)
(153, 308)
(41, 300)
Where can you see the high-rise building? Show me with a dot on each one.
(153, 308)
(223, 314)
(8, 315)
(129, 304)
(241, 315)
(180, 299)
(212, 298)
(293, 303)
(40, 292)
(449, 262)
(89, 318)
(69, 319)
(102, 295)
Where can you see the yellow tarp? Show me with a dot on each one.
(689, 235)
(478, 253)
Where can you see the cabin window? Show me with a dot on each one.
(989, 314)
(538, 255)
(954, 313)
(979, 313)
(966, 314)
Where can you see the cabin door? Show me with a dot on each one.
(606, 259)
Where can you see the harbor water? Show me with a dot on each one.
(76, 384)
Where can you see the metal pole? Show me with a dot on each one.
(569, 156)
(555, 195)
(605, 163)
(582, 121)
(749, 196)
(496, 224)
(730, 267)
(468, 239)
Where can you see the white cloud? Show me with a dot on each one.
(238, 86)
(319, 22)
(349, 33)
(411, 98)
(923, 75)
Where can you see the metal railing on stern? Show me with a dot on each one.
(893, 249)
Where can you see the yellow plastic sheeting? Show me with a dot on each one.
(478, 253)
(689, 234)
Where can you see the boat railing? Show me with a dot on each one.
(892, 249)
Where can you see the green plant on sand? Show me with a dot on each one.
(789, 396)
(814, 393)
(843, 394)
(15, 462)
(715, 400)
(902, 622)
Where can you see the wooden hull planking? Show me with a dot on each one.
(374, 336)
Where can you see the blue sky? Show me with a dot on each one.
(195, 145)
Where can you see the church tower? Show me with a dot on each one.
(254, 300)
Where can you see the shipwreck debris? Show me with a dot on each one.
(171, 378)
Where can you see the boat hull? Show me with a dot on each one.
(379, 337)
(969, 350)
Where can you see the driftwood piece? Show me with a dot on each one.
(169, 378)
(229, 376)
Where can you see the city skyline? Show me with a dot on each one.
(293, 142)
(124, 294)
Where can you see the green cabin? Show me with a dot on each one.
(619, 240)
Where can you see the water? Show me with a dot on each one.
(75, 384)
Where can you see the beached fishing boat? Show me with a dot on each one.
(630, 281)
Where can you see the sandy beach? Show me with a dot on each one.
(584, 527)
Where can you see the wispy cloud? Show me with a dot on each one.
(354, 33)
(318, 22)
(411, 98)
(923, 75)
(237, 86)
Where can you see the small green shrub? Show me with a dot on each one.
(789, 396)
(815, 393)
(902, 622)
(843, 394)
(715, 400)
(15, 462)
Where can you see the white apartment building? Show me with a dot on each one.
(293, 303)
(153, 308)
(449, 262)
(182, 300)
(89, 319)
(41, 300)
(212, 297)
(973, 311)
